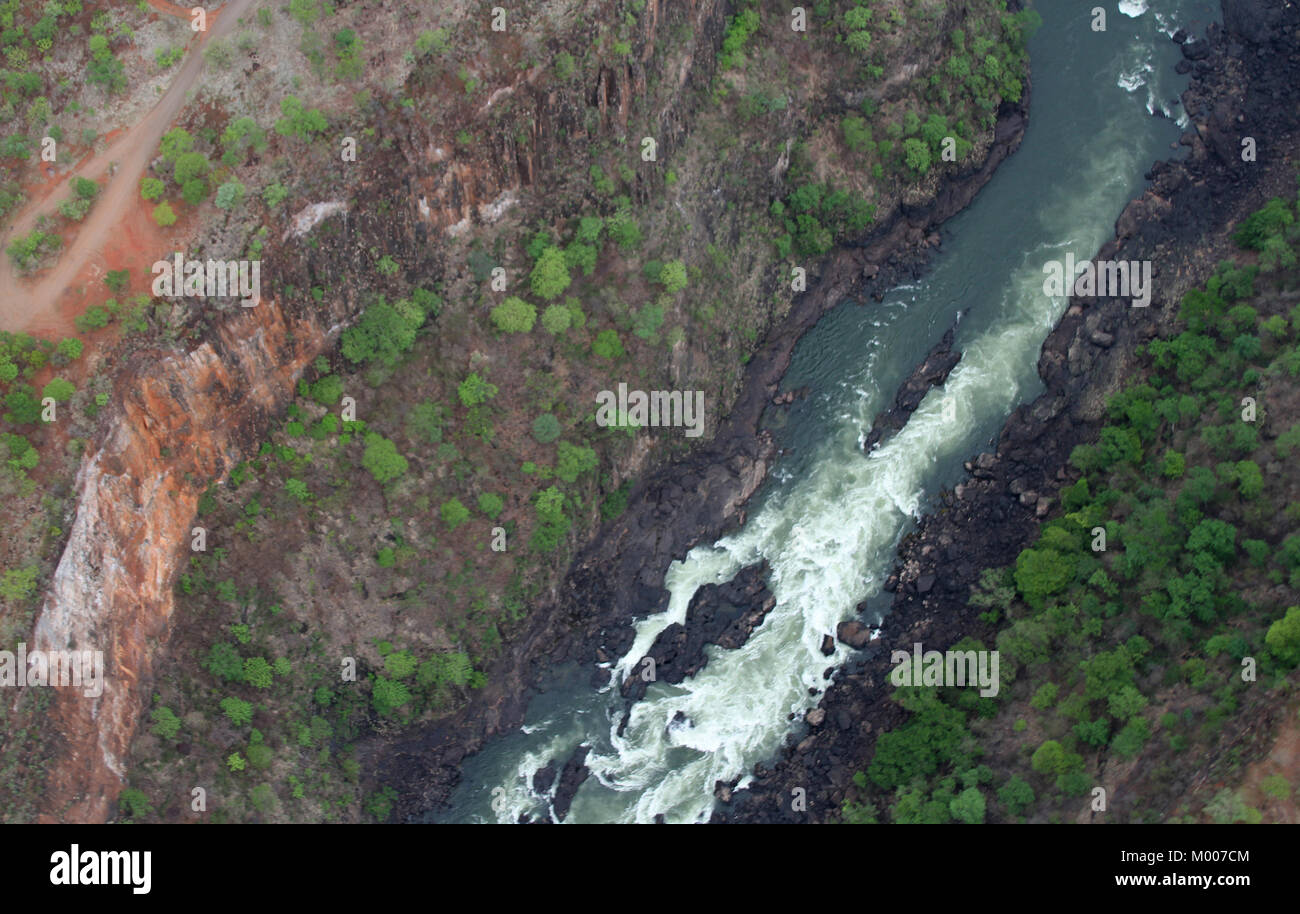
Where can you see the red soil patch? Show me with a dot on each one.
(136, 244)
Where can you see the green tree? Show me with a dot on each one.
(475, 390)
(1129, 741)
(327, 390)
(514, 315)
(490, 504)
(968, 806)
(1042, 572)
(69, 349)
(673, 277)
(194, 191)
(400, 664)
(550, 275)
(453, 513)
(298, 121)
(572, 461)
(556, 319)
(607, 345)
(381, 458)
(428, 41)
(624, 230)
(1050, 759)
(1270, 220)
(1283, 637)
(388, 695)
(260, 757)
(175, 143)
(857, 134)
(383, 334)
(189, 166)
(305, 12)
(1016, 795)
(257, 672)
(164, 215)
(59, 389)
(425, 422)
(239, 711)
(165, 723)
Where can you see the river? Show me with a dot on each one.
(829, 517)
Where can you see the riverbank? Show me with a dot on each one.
(619, 577)
(1244, 76)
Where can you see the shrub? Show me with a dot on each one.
(59, 389)
(229, 195)
(514, 315)
(194, 191)
(260, 757)
(432, 41)
(1041, 572)
(257, 672)
(298, 121)
(164, 215)
(165, 723)
(190, 165)
(453, 513)
(69, 349)
(607, 345)
(384, 333)
(239, 711)
(1050, 759)
(387, 695)
(857, 134)
(556, 319)
(224, 662)
(1283, 638)
(624, 230)
(327, 390)
(673, 277)
(581, 256)
(550, 275)
(572, 461)
(917, 155)
(1260, 225)
(546, 428)
(648, 321)
(475, 390)
(1015, 795)
(968, 806)
(274, 194)
(381, 458)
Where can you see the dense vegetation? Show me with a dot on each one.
(1159, 607)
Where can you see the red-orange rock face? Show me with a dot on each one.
(112, 590)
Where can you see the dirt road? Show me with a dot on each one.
(33, 305)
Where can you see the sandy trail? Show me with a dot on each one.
(32, 305)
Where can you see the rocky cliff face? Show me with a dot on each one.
(181, 419)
